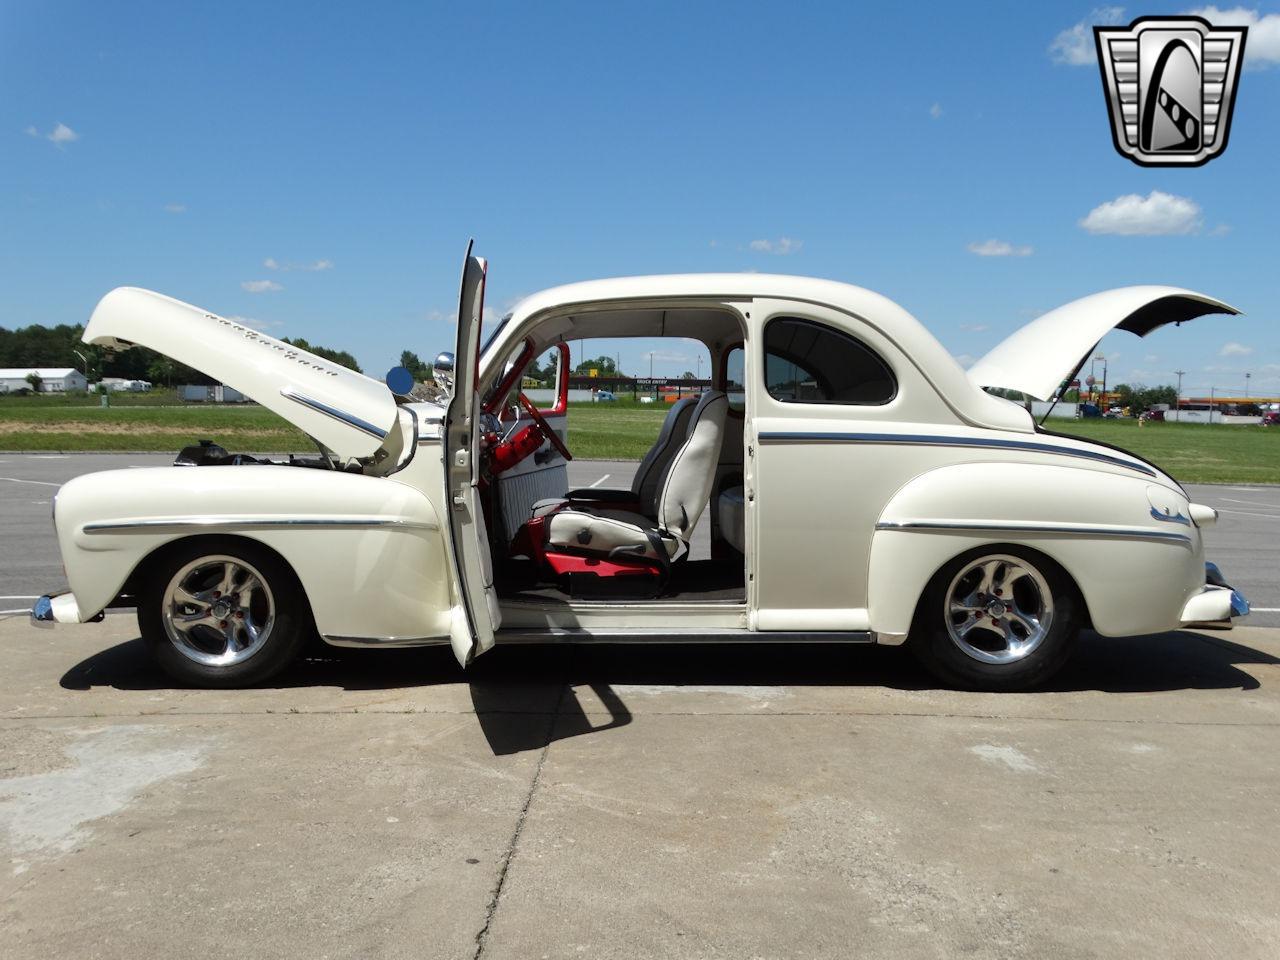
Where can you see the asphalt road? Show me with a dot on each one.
(1245, 543)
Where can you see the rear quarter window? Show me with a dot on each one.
(808, 362)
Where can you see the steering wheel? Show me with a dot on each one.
(545, 428)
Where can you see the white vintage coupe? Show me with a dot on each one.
(859, 486)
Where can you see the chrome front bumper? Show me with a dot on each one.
(1217, 605)
(59, 608)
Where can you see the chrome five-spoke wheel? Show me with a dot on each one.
(222, 611)
(218, 610)
(999, 617)
(999, 609)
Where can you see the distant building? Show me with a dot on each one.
(214, 393)
(52, 379)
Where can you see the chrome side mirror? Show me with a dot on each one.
(442, 371)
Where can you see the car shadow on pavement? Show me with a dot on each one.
(1179, 660)
(526, 697)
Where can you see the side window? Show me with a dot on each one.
(735, 379)
(806, 362)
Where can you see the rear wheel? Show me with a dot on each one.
(222, 614)
(997, 619)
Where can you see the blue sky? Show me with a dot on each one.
(357, 146)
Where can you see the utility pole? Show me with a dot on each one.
(1246, 385)
(1178, 405)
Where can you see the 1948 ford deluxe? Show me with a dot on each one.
(858, 484)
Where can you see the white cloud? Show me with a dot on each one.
(59, 136)
(1156, 214)
(999, 248)
(935, 111)
(1233, 349)
(966, 360)
(1262, 48)
(260, 286)
(1074, 46)
(315, 266)
(175, 208)
(780, 247)
(1151, 358)
(974, 327)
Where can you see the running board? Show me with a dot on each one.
(650, 635)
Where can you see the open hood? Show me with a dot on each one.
(1037, 358)
(344, 410)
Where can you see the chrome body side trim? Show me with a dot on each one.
(663, 635)
(1035, 529)
(385, 643)
(179, 524)
(1170, 517)
(319, 406)
(943, 440)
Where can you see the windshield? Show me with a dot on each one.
(493, 334)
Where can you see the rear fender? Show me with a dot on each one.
(1134, 572)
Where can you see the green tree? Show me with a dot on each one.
(161, 369)
(33, 378)
(413, 363)
(604, 367)
(340, 357)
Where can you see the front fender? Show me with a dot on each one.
(1134, 571)
(368, 551)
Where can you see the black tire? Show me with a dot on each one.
(184, 652)
(955, 661)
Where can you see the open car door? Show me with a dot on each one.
(477, 614)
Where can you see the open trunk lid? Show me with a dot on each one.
(1036, 359)
(347, 412)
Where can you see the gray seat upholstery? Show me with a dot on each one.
(680, 500)
(653, 466)
(731, 513)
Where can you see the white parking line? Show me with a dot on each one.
(20, 598)
(1251, 503)
(19, 610)
(600, 481)
(43, 483)
(1246, 513)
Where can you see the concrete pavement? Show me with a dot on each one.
(643, 801)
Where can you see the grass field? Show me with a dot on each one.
(621, 431)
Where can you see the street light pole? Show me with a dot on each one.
(1179, 403)
(1102, 398)
(1246, 385)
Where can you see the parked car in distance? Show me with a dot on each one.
(603, 396)
(1271, 418)
(866, 489)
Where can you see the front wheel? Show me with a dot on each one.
(217, 614)
(996, 619)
